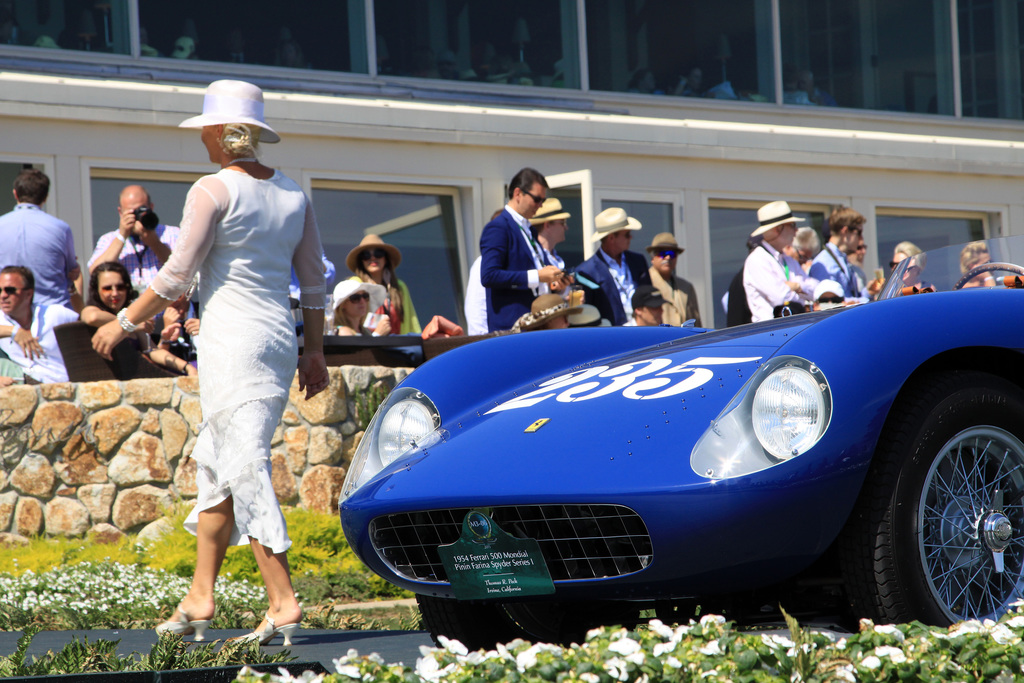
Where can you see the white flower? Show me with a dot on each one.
(527, 658)
(1003, 635)
(477, 657)
(594, 633)
(616, 668)
(673, 663)
(890, 630)
(637, 658)
(590, 678)
(894, 653)
(427, 668)
(964, 628)
(624, 646)
(709, 619)
(349, 670)
(712, 648)
(658, 627)
(1016, 622)
(709, 673)
(774, 640)
(845, 673)
(453, 646)
(871, 662)
(662, 648)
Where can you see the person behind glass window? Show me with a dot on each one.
(141, 243)
(375, 262)
(32, 238)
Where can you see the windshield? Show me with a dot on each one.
(975, 265)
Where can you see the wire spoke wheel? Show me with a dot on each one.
(971, 518)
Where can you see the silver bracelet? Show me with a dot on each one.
(126, 324)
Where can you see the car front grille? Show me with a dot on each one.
(578, 541)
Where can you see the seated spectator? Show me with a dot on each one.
(690, 85)
(828, 294)
(352, 301)
(547, 312)
(973, 255)
(642, 81)
(109, 292)
(374, 262)
(26, 331)
(912, 275)
(647, 305)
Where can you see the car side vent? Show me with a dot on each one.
(578, 541)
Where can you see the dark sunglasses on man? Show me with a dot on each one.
(668, 254)
(11, 291)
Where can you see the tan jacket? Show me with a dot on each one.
(680, 299)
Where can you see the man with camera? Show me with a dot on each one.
(141, 243)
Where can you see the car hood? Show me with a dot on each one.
(579, 431)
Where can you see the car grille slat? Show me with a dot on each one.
(577, 541)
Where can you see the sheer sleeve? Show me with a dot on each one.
(204, 207)
(309, 265)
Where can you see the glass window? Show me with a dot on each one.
(926, 231)
(66, 24)
(530, 42)
(730, 226)
(323, 34)
(167, 191)
(991, 57)
(895, 56)
(8, 172)
(691, 48)
(422, 226)
(655, 217)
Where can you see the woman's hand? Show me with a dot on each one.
(192, 326)
(383, 327)
(107, 337)
(313, 375)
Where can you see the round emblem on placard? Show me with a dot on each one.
(479, 524)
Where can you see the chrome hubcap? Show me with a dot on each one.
(970, 516)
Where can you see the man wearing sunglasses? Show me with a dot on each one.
(512, 265)
(32, 238)
(28, 346)
(845, 229)
(679, 294)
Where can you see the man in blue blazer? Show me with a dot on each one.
(512, 266)
(616, 271)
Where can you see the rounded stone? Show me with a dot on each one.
(28, 517)
(66, 517)
(34, 476)
(321, 488)
(140, 505)
(110, 427)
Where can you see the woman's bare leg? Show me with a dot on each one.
(284, 607)
(213, 533)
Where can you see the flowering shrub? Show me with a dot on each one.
(712, 650)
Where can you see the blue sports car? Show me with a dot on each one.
(863, 461)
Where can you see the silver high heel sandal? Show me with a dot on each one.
(184, 626)
(270, 631)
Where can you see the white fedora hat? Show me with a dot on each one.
(232, 102)
(772, 214)
(612, 220)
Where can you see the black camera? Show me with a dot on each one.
(147, 217)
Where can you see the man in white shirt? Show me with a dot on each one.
(770, 278)
(26, 331)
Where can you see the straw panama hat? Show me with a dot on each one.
(612, 220)
(232, 102)
(550, 210)
(772, 214)
(347, 288)
(370, 242)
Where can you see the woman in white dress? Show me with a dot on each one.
(243, 230)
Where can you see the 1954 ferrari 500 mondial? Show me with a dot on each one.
(866, 461)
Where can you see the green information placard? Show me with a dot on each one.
(488, 564)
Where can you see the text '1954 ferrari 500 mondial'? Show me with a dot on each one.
(866, 461)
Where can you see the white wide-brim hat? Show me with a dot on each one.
(232, 102)
(772, 214)
(346, 288)
(612, 220)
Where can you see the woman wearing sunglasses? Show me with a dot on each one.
(374, 262)
(109, 292)
(352, 301)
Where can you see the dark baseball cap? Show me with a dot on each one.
(647, 296)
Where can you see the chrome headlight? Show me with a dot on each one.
(406, 421)
(780, 413)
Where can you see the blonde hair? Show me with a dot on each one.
(970, 254)
(240, 139)
(908, 249)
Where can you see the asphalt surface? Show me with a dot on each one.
(308, 645)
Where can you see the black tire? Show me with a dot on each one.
(475, 625)
(924, 537)
(481, 625)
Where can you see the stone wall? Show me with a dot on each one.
(110, 458)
